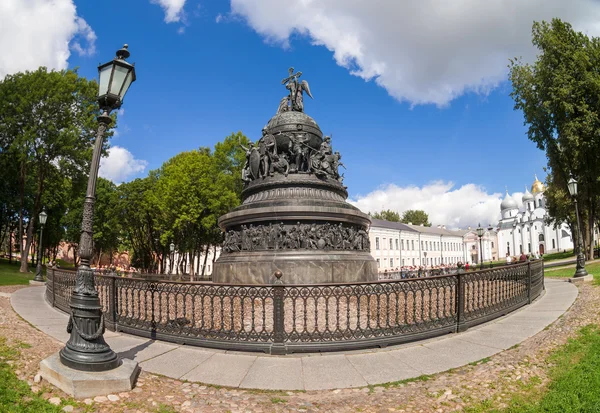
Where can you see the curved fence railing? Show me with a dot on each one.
(281, 318)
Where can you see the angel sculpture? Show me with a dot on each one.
(295, 99)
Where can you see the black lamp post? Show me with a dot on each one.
(172, 247)
(86, 349)
(580, 268)
(425, 254)
(38, 271)
(480, 232)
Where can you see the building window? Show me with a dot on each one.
(376, 243)
(384, 246)
(492, 244)
(521, 249)
(529, 247)
(402, 244)
(413, 246)
(540, 203)
(391, 262)
(378, 263)
(508, 248)
(403, 262)
(541, 237)
(396, 243)
(553, 244)
(413, 262)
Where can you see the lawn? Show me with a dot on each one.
(559, 256)
(10, 275)
(15, 394)
(592, 267)
(575, 379)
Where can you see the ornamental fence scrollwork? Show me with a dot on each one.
(280, 318)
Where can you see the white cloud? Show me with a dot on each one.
(445, 204)
(37, 33)
(120, 165)
(426, 51)
(173, 9)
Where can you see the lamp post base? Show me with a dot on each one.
(585, 278)
(38, 274)
(86, 349)
(80, 384)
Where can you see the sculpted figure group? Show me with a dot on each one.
(263, 159)
(299, 236)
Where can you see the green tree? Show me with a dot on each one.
(559, 95)
(387, 215)
(48, 121)
(415, 217)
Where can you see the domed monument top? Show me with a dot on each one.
(292, 142)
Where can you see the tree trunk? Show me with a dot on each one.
(21, 205)
(205, 259)
(10, 239)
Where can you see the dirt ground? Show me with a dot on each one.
(494, 379)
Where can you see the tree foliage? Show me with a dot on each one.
(387, 215)
(415, 217)
(48, 125)
(559, 95)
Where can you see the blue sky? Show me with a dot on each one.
(438, 112)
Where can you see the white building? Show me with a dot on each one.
(395, 245)
(525, 230)
(483, 250)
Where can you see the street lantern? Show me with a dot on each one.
(580, 270)
(172, 246)
(38, 271)
(115, 78)
(480, 231)
(43, 217)
(572, 185)
(86, 349)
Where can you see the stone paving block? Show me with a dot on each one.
(274, 373)
(424, 360)
(222, 369)
(122, 342)
(377, 368)
(460, 352)
(147, 350)
(177, 362)
(330, 372)
(499, 340)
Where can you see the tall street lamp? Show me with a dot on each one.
(38, 272)
(172, 247)
(86, 349)
(580, 268)
(480, 232)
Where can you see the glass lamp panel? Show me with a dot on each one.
(572, 185)
(104, 74)
(118, 79)
(43, 217)
(128, 81)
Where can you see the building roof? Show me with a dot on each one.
(398, 226)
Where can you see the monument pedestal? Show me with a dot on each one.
(81, 384)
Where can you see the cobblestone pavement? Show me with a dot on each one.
(492, 379)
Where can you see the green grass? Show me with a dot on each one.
(10, 275)
(65, 264)
(558, 256)
(277, 400)
(592, 267)
(15, 395)
(575, 380)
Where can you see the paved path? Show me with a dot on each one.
(316, 371)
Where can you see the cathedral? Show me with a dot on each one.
(524, 230)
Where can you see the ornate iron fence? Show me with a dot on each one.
(280, 319)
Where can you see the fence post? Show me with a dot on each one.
(278, 347)
(529, 282)
(112, 302)
(460, 300)
(53, 283)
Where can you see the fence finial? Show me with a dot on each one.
(278, 274)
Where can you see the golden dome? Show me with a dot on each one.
(537, 186)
